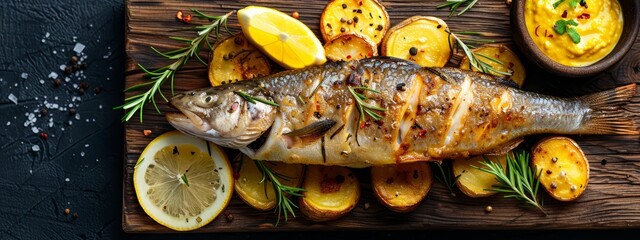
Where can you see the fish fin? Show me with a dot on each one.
(507, 82)
(308, 133)
(608, 116)
(506, 147)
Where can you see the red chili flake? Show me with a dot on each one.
(545, 33)
(584, 16)
(348, 56)
(186, 18)
(146, 132)
(536, 32)
(44, 135)
(422, 133)
(295, 15)
(564, 14)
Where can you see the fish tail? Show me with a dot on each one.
(608, 116)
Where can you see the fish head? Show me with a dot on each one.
(221, 115)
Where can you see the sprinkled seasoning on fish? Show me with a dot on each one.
(384, 111)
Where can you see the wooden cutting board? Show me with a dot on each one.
(612, 199)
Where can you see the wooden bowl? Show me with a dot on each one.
(630, 12)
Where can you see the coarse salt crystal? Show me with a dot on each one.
(47, 35)
(55, 52)
(41, 82)
(8, 123)
(79, 47)
(82, 154)
(67, 179)
(13, 98)
(24, 75)
(86, 145)
(67, 79)
(53, 75)
(100, 106)
(34, 130)
(35, 148)
(62, 67)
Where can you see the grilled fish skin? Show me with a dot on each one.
(430, 114)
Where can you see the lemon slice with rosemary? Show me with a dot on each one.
(283, 38)
(182, 182)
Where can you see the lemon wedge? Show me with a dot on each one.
(182, 182)
(283, 38)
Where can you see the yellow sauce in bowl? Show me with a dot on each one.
(599, 25)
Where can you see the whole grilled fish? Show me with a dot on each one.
(385, 111)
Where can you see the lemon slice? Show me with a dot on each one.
(283, 38)
(182, 182)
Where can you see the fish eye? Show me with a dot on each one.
(192, 93)
(208, 99)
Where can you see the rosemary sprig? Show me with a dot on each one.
(184, 179)
(253, 99)
(517, 180)
(445, 176)
(158, 76)
(364, 107)
(474, 58)
(454, 4)
(284, 205)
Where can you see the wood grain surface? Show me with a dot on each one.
(610, 201)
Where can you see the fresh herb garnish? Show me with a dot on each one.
(184, 179)
(284, 205)
(474, 58)
(253, 99)
(136, 103)
(517, 180)
(364, 107)
(573, 3)
(563, 26)
(445, 176)
(454, 4)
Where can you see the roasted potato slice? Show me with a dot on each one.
(565, 169)
(350, 46)
(235, 59)
(366, 17)
(331, 192)
(258, 194)
(423, 40)
(472, 181)
(510, 62)
(401, 187)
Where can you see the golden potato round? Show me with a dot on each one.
(346, 47)
(510, 62)
(366, 17)
(474, 182)
(401, 187)
(331, 192)
(235, 59)
(565, 169)
(252, 191)
(420, 39)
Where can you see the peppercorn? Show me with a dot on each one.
(43, 111)
(73, 60)
(554, 159)
(295, 15)
(57, 82)
(400, 87)
(342, 29)
(68, 69)
(186, 18)
(75, 215)
(72, 111)
(97, 90)
(488, 209)
(554, 185)
(356, 19)
(342, 20)
(317, 114)
(344, 6)
(379, 28)
(413, 51)
(67, 211)
(549, 171)
(238, 41)
(350, 21)
(80, 91)
(84, 65)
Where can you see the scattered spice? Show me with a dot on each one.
(508, 2)
(603, 162)
(73, 60)
(401, 87)
(366, 205)
(97, 90)
(295, 15)
(573, 188)
(554, 185)
(350, 21)
(413, 51)
(344, 6)
(67, 211)
(146, 132)
(57, 82)
(75, 215)
(488, 209)
(238, 41)
(549, 171)
(584, 16)
(342, 29)
(564, 14)
(379, 28)
(44, 135)
(228, 216)
(554, 159)
(356, 19)
(43, 111)
(72, 111)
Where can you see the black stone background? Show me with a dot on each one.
(34, 190)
